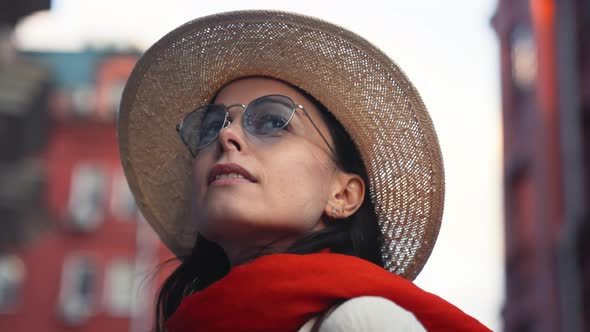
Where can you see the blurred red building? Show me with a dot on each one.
(94, 268)
(545, 68)
(23, 97)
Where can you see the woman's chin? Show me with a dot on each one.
(229, 197)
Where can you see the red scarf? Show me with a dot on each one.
(281, 292)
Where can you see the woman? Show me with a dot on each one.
(306, 187)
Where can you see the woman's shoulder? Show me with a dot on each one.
(367, 313)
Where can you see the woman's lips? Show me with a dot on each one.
(230, 173)
(228, 181)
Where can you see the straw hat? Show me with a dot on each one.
(364, 89)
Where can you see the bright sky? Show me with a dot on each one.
(447, 48)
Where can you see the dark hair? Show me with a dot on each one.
(358, 235)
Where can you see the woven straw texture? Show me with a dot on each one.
(359, 84)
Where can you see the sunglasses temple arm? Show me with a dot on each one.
(319, 132)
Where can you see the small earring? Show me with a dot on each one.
(334, 212)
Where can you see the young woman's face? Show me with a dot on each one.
(285, 179)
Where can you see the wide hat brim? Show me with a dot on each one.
(364, 89)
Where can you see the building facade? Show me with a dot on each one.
(545, 69)
(94, 268)
(23, 95)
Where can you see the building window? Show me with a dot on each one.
(524, 57)
(12, 275)
(83, 100)
(122, 202)
(86, 197)
(78, 289)
(119, 287)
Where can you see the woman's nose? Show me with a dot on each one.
(231, 136)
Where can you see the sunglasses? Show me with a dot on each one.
(264, 116)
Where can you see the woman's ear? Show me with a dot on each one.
(346, 197)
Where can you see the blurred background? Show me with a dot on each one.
(507, 84)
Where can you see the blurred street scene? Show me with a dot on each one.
(74, 251)
(545, 56)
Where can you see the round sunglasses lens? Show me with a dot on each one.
(267, 115)
(202, 126)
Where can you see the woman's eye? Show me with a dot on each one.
(271, 122)
(210, 130)
(267, 117)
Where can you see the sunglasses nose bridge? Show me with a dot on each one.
(228, 119)
(226, 122)
(229, 109)
(235, 107)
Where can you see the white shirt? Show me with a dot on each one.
(368, 313)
